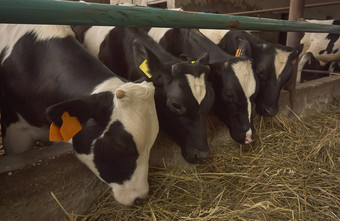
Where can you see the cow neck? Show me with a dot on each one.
(163, 56)
(197, 42)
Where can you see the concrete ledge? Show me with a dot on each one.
(311, 95)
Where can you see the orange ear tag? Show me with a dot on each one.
(55, 134)
(294, 61)
(193, 62)
(70, 127)
(238, 52)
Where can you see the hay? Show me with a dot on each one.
(290, 173)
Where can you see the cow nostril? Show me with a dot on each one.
(201, 158)
(140, 201)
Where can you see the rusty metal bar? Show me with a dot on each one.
(319, 71)
(296, 10)
(284, 8)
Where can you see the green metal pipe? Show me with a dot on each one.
(80, 13)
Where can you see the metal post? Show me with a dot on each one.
(296, 10)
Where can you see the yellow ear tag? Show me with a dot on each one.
(145, 68)
(70, 127)
(193, 62)
(294, 61)
(238, 52)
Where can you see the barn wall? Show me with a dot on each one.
(228, 6)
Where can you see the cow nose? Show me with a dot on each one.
(248, 140)
(199, 157)
(140, 201)
(270, 111)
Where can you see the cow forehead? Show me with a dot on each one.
(280, 61)
(95, 36)
(42, 32)
(197, 86)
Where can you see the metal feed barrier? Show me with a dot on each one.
(81, 13)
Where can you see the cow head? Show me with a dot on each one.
(273, 65)
(182, 98)
(236, 88)
(118, 129)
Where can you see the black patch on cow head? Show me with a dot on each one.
(270, 85)
(179, 113)
(231, 103)
(263, 55)
(115, 154)
(93, 112)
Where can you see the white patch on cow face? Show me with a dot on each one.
(141, 124)
(42, 32)
(197, 86)
(27, 133)
(109, 85)
(214, 35)
(245, 75)
(280, 61)
(157, 33)
(94, 37)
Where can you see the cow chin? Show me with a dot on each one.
(127, 195)
(242, 137)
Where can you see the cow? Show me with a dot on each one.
(183, 96)
(273, 64)
(325, 47)
(48, 77)
(232, 78)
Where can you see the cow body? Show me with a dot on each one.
(183, 97)
(232, 78)
(325, 47)
(45, 70)
(273, 64)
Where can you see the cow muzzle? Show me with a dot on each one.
(194, 155)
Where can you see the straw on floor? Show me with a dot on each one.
(292, 172)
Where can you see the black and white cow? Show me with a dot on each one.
(45, 69)
(325, 47)
(273, 64)
(183, 97)
(232, 77)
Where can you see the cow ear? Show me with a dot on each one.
(244, 48)
(204, 59)
(145, 59)
(97, 106)
(298, 50)
(185, 57)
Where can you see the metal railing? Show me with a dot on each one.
(81, 13)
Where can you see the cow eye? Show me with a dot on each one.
(229, 98)
(262, 76)
(176, 108)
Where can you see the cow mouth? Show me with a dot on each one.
(196, 156)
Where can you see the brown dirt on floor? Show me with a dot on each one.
(25, 194)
